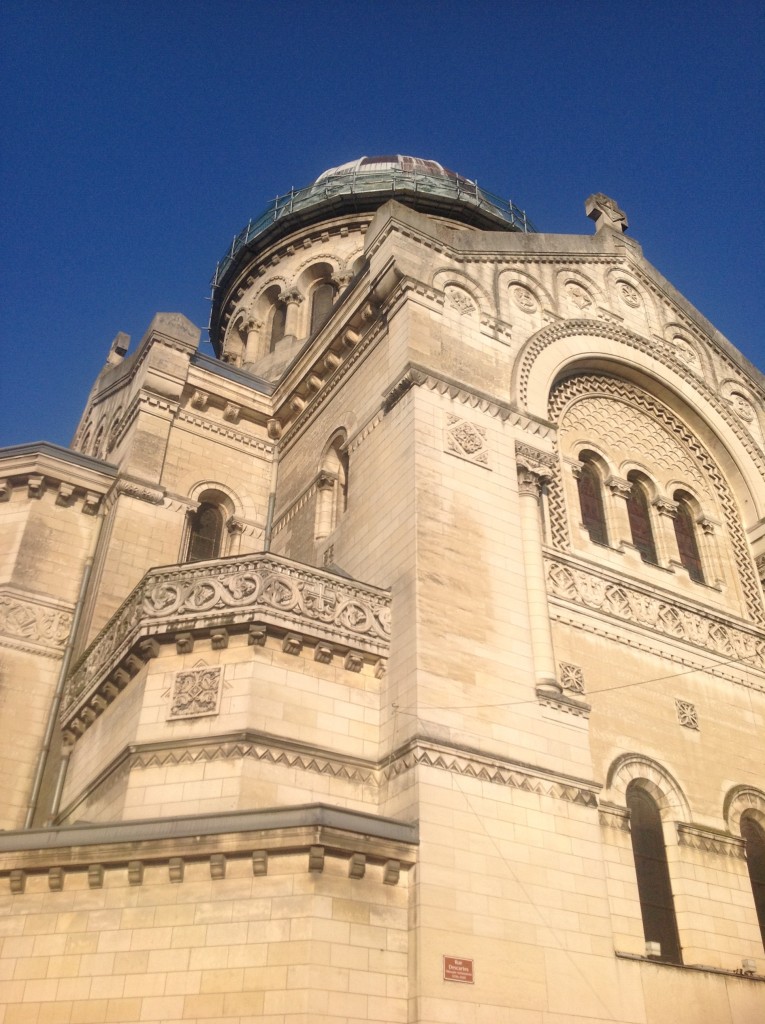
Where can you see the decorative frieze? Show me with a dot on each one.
(709, 840)
(35, 623)
(641, 607)
(296, 599)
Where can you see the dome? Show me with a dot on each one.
(358, 188)
(385, 164)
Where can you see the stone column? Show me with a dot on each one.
(616, 515)
(534, 470)
(292, 300)
(251, 328)
(664, 535)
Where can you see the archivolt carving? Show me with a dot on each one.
(641, 410)
(654, 778)
(739, 800)
(643, 608)
(665, 352)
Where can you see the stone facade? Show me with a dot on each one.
(346, 652)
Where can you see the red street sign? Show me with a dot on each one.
(457, 969)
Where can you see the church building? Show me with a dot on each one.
(404, 662)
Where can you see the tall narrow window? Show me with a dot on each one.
(640, 521)
(322, 298)
(278, 323)
(754, 837)
(206, 533)
(687, 545)
(332, 488)
(591, 501)
(656, 904)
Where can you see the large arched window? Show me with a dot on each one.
(685, 533)
(590, 489)
(639, 515)
(205, 533)
(278, 323)
(654, 889)
(322, 299)
(754, 837)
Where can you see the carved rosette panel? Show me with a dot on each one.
(32, 623)
(196, 692)
(632, 421)
(641, 608)
(687, 715)
(466, 440)
(270, 588)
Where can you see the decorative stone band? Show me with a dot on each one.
(379, 847)
(294, 756)
(709, 840)
(495, 770)
(623, 601)
(224, 594)
(33, 625)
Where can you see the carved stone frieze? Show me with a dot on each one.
(710, 840)
(34, 623)
(642, 607)
(270, 749)
(286, 594)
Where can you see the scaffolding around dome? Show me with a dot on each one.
(360, 189)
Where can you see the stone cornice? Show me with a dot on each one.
(317, 830)
(229, 593)
(606, 595)
(419, 376)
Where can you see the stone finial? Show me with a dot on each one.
(606, 213)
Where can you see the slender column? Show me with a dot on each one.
(251, 328)
(618, 520)
(532, 475)
(292, 300)
(665, 537)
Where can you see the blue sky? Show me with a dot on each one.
(139, 137)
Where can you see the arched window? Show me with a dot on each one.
(640, 521)
(754, 837)
(332, 488)
(322, 298)
(685, 532)
(591, 500)
(278, 323)
(206, 533)
(654, 889)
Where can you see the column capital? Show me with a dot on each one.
(619, 487)
(291, 298)
(665, 507)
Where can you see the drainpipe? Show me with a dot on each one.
(271, 502)
(42, 759)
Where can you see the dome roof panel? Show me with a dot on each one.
(384, 164)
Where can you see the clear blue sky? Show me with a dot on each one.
(139, 137)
